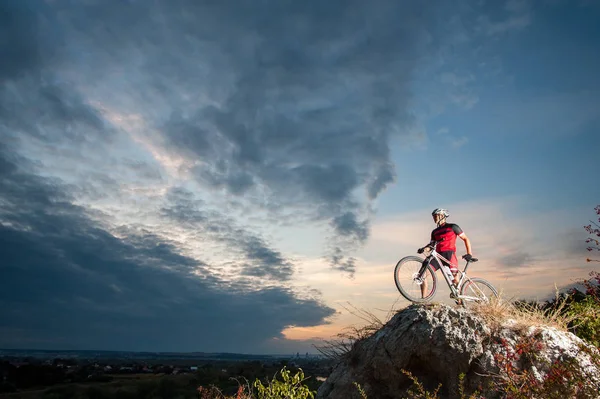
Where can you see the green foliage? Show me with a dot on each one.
(587, 326)
(362, 392)
(418, 391)
(461, 389)
(291, 387)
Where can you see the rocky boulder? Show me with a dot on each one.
(438, 343)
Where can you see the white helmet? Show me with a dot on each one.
(440, 211)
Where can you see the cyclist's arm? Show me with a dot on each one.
(467, 242)
(430, 245)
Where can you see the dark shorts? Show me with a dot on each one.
(451, 256)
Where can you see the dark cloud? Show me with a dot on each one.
(342, 263)
(266, 262)
(329, 184)
(258, 258)
(33, 100)
(517, 259)
(51, 113)
(20, 46)
(350, 233)
(348, 225)
(41, 109)
(286, 106)
(67, 283)
(219, 176)
(297, 100)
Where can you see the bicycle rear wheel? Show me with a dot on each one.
(478, 291)
(411, 286)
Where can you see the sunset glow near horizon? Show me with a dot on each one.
(243, 177)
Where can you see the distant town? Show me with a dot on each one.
(25, 370)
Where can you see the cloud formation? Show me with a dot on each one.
(290, 106)
(68, 283)
(126, 127)
(167, 163)
(257, 258)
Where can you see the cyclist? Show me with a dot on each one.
(447, 233)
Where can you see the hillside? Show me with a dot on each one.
(454, 349)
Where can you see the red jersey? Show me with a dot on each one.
(448, 232)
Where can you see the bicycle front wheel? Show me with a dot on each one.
(477, 291)
(414, 283)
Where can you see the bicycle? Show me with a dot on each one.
(422, 274)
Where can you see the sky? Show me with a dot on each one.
(238, 176)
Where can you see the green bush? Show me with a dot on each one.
(587, 325)
(290, 388)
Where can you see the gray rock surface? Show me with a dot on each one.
(436, 343)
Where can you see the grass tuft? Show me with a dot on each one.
(344, 341)
(522, 315)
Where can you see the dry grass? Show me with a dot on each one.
(343, 342)
(500, 313)
(520, 315)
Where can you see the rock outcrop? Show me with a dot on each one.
(436, 343)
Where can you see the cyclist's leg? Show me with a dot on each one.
(451, 256)
(453, 265)
(454, 268)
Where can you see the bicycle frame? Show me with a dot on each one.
(446, 263)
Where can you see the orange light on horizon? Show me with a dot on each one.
(325, 331)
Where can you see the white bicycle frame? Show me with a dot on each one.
(446, 270)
